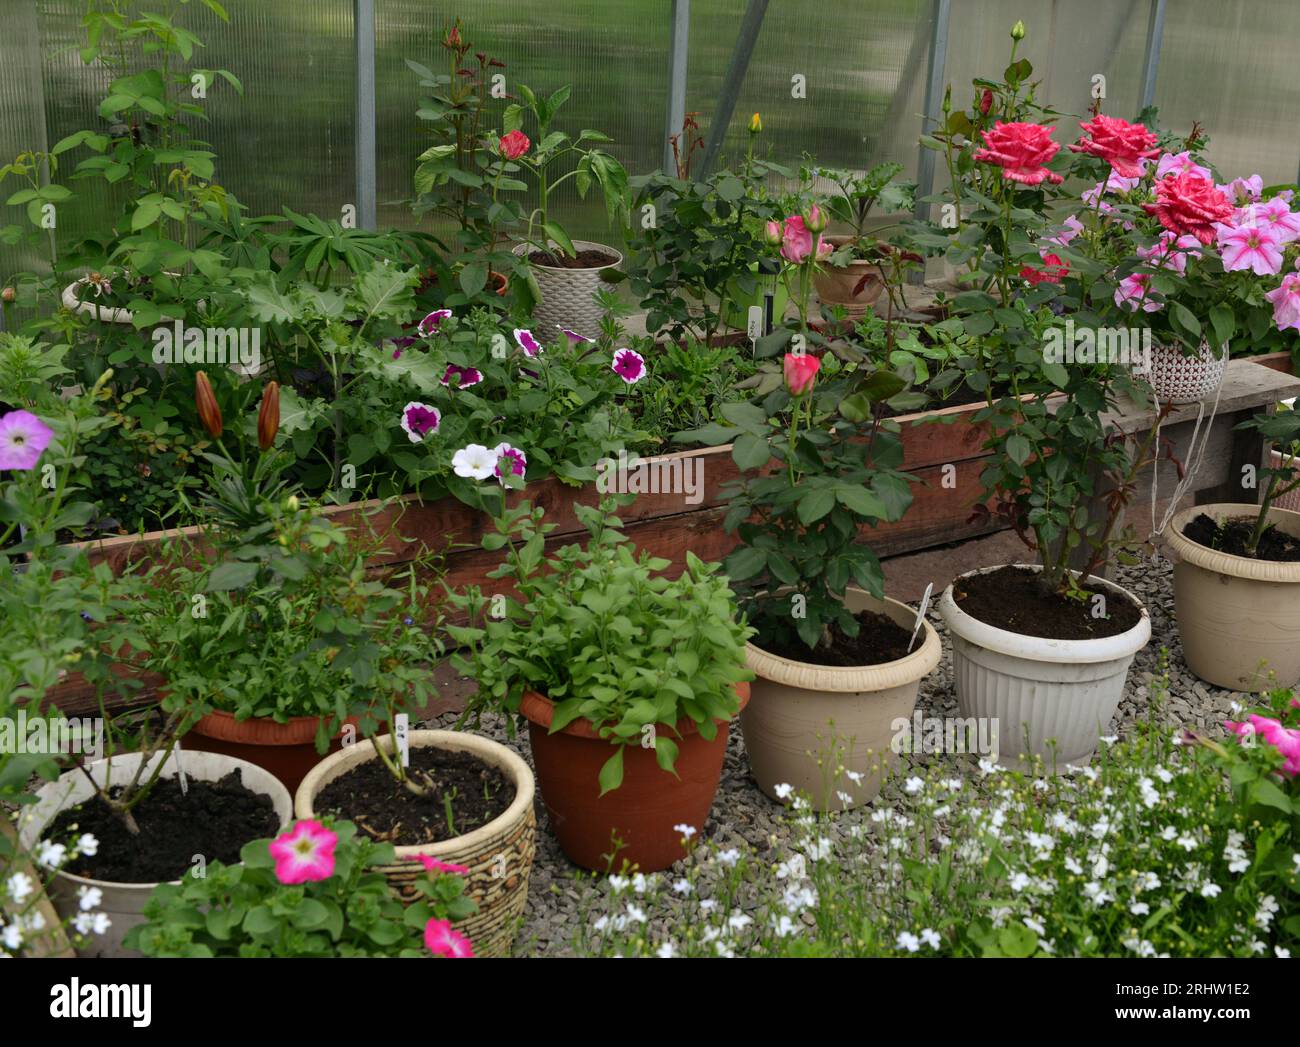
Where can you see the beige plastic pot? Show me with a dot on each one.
(499, 855)
(124, 902)
(1238, 618)
(835, 283)
(568, 295)
(809, 726)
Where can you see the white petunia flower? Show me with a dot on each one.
(907, 941)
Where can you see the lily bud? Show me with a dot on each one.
(1018, 31)
(772, 234)
(206, 401)
(268, 416)
(755, 124)
(815, 219)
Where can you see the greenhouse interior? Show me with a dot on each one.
(665, 479)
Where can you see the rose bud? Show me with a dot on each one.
(206, 401)
(514, 145)
(755, 124)
(815, 219)
(772, 234)
(268, 416)
(800, 372)
(1018, 31)
(986, 101)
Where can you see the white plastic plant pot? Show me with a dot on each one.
(1053, 699)
(124, 903)
(568, 295)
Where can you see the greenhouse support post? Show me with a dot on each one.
(750, 25)
(1151, 59)
(936, 67)
(364, 14)
(677, 55)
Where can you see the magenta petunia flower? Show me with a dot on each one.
(430, 323)
(464, 376)
(23, 437)
(510, 462)
(304, 854)
(419, 420)
(573, 336)
(434, 865)
(629, 365)
(525, 340)
(441, 940)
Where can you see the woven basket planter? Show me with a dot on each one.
(1179, 379)
(499, 855)
(568, 295)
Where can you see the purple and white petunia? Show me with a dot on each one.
(573, 336)
(474, 462)
(419, 420)
(525, 340)
(430, 323)
(629, 365)
(464, 376)
(510, 462)
(23, 437)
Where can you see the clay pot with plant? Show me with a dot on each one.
(628, 682)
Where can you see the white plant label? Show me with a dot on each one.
(400, 722)
(755, 327)
(920, 615)
(180, 770)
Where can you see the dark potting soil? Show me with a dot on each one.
(1231, 537)
(386, 810)
(586, 259)
(880, 639)
(1012, 598)
(214, 819)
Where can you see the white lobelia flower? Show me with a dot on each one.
(708, 904)
(738, 921)
(931, 938)
(682, 887)
(1210, 890)
(619, 883)
(474, 461)
(784, 791)
(100, 923)
(729, 857)
(1281, 953)
(686, 831)
(19, 886)
(89, 898)
(913, 785)
(51, 854)
(1140, 909)
(666, 951)
(783, 926)
(87, 845)
(12, 937)
(907, 941)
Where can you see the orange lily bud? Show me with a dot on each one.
(268, 416)
(206, 401)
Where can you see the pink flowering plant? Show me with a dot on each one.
(315, 890)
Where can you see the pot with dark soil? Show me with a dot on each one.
(1237, 594)
(568, 286)
(469, 802)
(836, 706)
(222, 805)
(1045, 670)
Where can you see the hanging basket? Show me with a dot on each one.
(1179, 379)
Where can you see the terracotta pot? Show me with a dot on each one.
(1238, 618)
(803, 713)
(287, 750)
(835, 283)
(124, 902)
(499, 855)
(643, 810)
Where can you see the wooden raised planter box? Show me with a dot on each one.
(942, 449)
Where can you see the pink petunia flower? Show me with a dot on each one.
(1070, 228)
(419, 420)
(573, 336)
(304, 854)
(1180, 163)
(525, 340)
(510, 462)
(430, 323)
(23, 437)
(464, 376)
(441, 940)
(1285, 740)
(1171, 253)
(1273, 214)
(1252, 247)
(432, 864)
(1245, 190)
(629, 365)
(1135, 289)
(1286, 303)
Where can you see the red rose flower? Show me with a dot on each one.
(1051, 273)
(1189, 204)
(1020, 150)
(514, 145)
(1118, 142)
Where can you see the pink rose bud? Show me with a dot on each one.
(815, 219)
(772, 234)
(800, 372)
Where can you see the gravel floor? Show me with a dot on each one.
(742, 814)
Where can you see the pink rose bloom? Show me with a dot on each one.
(1070, 228)
(1121, 144)
(1021, 150)
(1286, 303)
(304, 854)
(1135, 290)
(1274, 214)
(1188, 203)
(1051, 273)
(441, 940)
(1251, 247)
(798, 243)
(1180, 163)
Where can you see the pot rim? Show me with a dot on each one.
(1042, 648)
(271, 731)
(524, 248)
(1225, 563)
(123, 885)
(537, 709)
(486, 749)
(852, 678)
